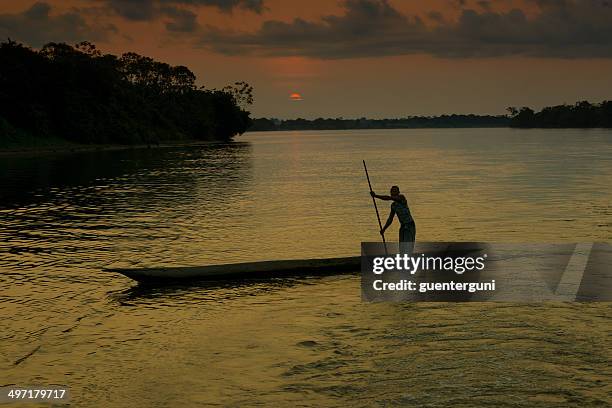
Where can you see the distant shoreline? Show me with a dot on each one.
(581, 115)
(383, 128)
(414, 122)
(433, 127)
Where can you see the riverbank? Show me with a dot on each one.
(68, 147)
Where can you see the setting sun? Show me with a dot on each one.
(296, 97)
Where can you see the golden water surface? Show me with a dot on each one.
(297, 342)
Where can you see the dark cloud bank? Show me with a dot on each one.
(367, 28)
(39, 24)
(562, 28)
(182, 18)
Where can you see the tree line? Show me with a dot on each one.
(444, 121)
(580, 115)
(79, 94)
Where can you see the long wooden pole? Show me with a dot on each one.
(375, 206)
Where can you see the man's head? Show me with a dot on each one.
(395, 191)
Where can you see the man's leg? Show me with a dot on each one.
(406, 239)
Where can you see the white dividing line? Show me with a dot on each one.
(572, 277)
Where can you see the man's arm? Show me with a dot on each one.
(387, 198)
(389, 221)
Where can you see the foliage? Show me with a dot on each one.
(242, 93)
(79, 94)
(444, 121)
(580, 115)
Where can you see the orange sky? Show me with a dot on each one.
(397, 81)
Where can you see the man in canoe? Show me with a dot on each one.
(399, 206)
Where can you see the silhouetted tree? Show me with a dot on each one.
(580, 115)
(242, 93)
(80, 94)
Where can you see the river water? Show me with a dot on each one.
(296, 342)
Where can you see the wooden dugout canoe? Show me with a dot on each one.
(252, 270)
(280, 268)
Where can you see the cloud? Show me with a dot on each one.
(367, 28)
(181, 18)
(485, 4)
(135, 10)
(560, 28)
(182, 21)
(37, 26)
(256, 6)
(145, 10)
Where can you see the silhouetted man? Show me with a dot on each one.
(407, 232)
